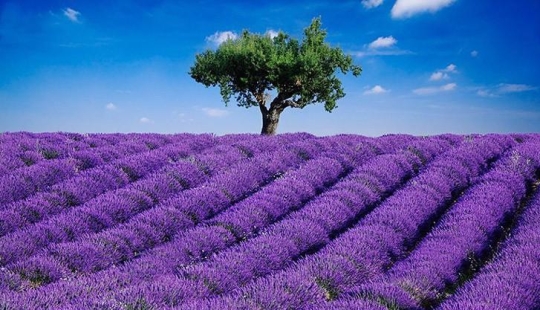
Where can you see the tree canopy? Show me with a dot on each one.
(254, 66)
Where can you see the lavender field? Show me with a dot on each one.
(293, 221)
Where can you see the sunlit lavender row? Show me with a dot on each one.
(293, 221)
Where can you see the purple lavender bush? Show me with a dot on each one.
(292, 221)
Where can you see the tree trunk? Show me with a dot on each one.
(270, 120)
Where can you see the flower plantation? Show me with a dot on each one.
(293, 221)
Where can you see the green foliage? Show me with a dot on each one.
(254, 65)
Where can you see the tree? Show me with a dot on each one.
(254, 67)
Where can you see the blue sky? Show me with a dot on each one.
(429, 67)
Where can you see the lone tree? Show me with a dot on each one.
(256, 67)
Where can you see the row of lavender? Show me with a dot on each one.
(511, 280)
(232, 268)
(39, 270)
(77, 187)
(92, 195)
(370, 247)
(80, 186)
(301, 222)
(128, 155)
(24, 149)
(458, 246)
(242, 221)
(242, 178)
(84, 202)
(34, 161)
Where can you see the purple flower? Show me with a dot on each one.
(304, 233)
(40, 270)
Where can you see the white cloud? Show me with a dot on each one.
(369, 4)
(377, 89)
(449, 86)
(514, 88)
(408, 8)
(272, 33)
(434, 90)
(382, 46)
(443, 73)
(450, 68)
(485, 93)
(72, 15)
(503, 89)
(215, 112)
(438, 76)
(219, 37)
(372, 52)
(383, 42)
(146, 120)
(110, 106)
(474, 53)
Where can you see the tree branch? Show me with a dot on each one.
(279, 102)
(293, 104)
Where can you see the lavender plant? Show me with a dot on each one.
(292, 221)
